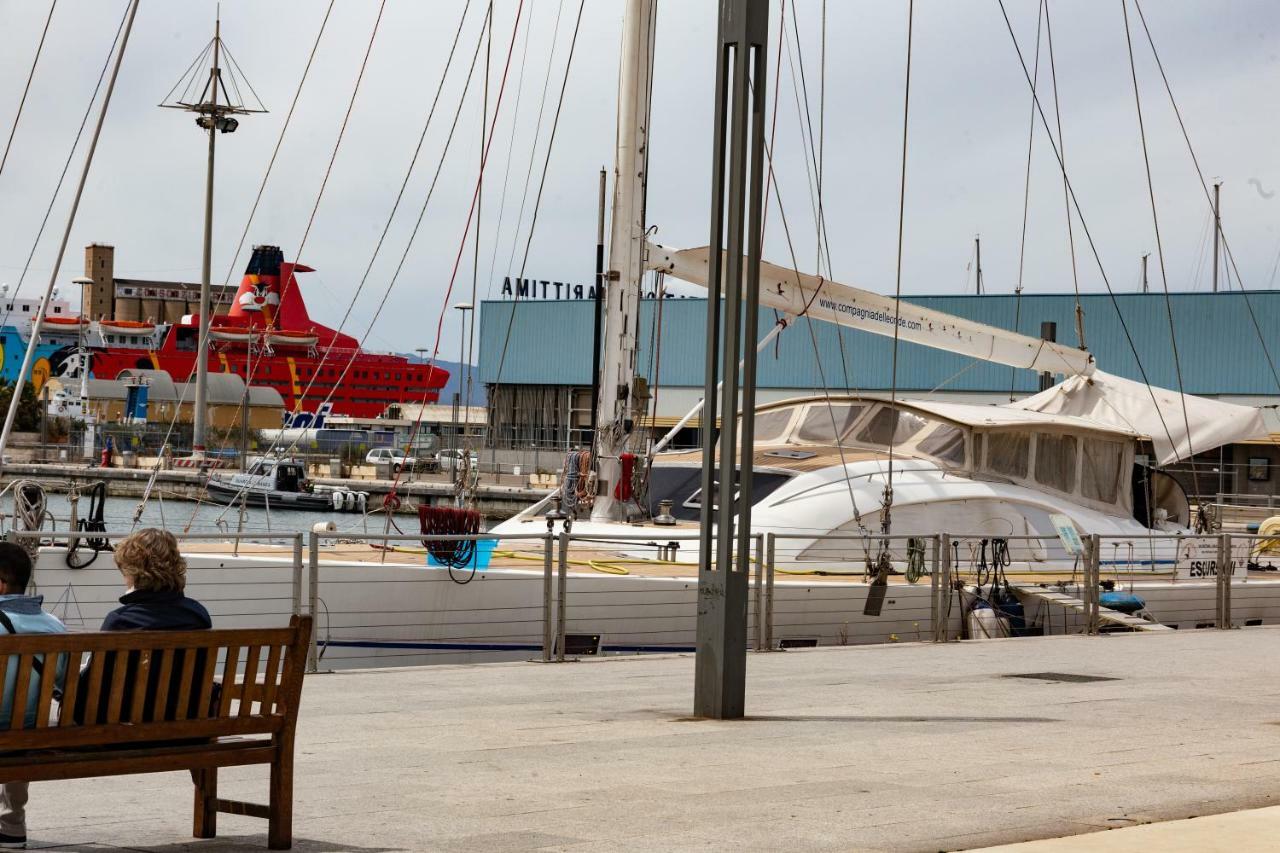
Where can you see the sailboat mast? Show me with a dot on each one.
(616, 415)
(1217, 231)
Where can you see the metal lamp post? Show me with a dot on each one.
(462, 309)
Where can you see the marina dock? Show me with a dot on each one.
(909, 747)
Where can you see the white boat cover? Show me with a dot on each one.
(1153, 412)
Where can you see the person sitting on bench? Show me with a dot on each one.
(156, 575)
(21, 614)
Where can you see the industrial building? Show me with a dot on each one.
(536, 364)
(164, 401)
(139, 300)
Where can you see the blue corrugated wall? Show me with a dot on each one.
(549, 343)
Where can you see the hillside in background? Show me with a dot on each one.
(456, 381)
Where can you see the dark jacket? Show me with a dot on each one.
(148, 610)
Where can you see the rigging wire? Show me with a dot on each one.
(444, 306)
(333, 155)
(511, 151)
(408, 246)
(1204, 186)
(1062, 161)
(1084, 225)
(1164, 278)
(537, 204)
(266, 176)
(26, 89)
(66, 165)
(475, 264)
(885, 522)
(1026, 197)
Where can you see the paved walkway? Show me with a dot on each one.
(905, 748)
(1251, 831)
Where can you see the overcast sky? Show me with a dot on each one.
(968, 137)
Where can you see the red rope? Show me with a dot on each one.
(622, 491)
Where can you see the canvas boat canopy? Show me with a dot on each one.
(1156, 413)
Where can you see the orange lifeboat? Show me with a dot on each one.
(65, 321)
(125, 327)
(286, 338)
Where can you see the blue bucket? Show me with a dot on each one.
(479, 560)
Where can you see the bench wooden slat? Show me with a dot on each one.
(83, 765)
(69, 691)
(188, 676)
(137, 701)
(44, 701)
(271, 679)
(97, 662)
(160, 704)
(21, 689)
(149, 640)
(228, 683)
(250, 680)
(115, 696)
(116, 733)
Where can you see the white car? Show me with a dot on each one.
(390, 455)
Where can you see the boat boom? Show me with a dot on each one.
(801, 294)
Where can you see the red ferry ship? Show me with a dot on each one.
(269, 338)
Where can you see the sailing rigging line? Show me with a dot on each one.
(66, 165)
(822, 376)
(475, 264)
(533, 148)
(813, 146)
(262, 186)
(26, 89)
(403, 256)
(1026, 196)
(333, 155)
(537, 203)
(1164, 278)
(511, 151)
(1084, 226)
(885, 521)
(1062, 161)
(38, 320)
(462, 244)
(1204, 186)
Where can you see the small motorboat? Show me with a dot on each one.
(283, 484)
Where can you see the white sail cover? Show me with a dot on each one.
(1128, 404)
(800, 294)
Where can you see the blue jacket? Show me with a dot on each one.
(28, 617)
(149, 610)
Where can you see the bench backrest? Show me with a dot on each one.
(155, 685)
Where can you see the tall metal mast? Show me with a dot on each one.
(616, 411)
(215, 107)
(1217, 231)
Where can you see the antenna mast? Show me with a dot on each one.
(215, 109)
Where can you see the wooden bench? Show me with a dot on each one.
(156, 701)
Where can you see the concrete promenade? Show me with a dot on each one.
(907, 747)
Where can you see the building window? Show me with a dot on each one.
(57, 309)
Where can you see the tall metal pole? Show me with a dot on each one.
(598, 318)
(1217, 231)
(37, 323)
(1146, 287)
(202, 354)
(616, 416)
(977, 248)
(724, 554)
